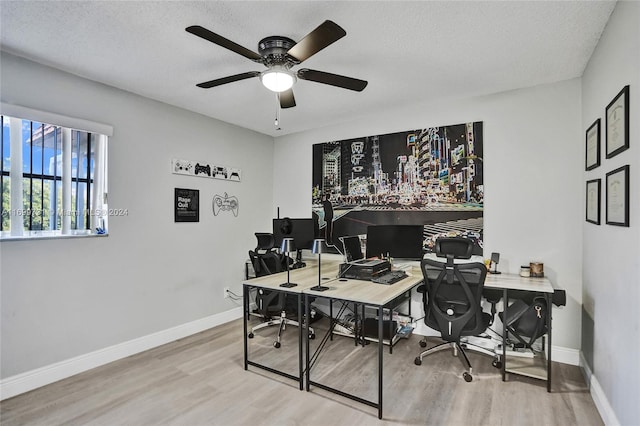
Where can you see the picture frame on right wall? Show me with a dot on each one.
(593, 201)
(617, 202)
(592, 147)
(617, 124)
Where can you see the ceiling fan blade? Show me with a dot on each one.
(286, 99)
(332, 79)
(221, 41)
(230, 79)
(327, 33)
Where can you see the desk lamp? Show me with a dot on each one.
(318, 248)
(288, 246)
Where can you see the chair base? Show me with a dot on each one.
(282, 323)
(459, 347)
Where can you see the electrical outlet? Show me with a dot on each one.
(226, 292)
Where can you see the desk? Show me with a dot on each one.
(365, 293)
(378, 296)
(305, 278)
(508, 282)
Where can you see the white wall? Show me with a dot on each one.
(65, 298)
(611, 329)
(532, 177)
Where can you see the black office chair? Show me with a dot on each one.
(452, 298)
(265, 258)
(271, 305)
(526, 318)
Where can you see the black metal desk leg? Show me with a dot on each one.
(505, 301)
(300, 331)
(245, 316)
(331, 319)
(307, 356)
(363, 340)
(549, 316)
(391, 331)
(380, 345)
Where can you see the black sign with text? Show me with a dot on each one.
(187, 205)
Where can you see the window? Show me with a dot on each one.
(53, 179)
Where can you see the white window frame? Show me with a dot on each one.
(99, 208)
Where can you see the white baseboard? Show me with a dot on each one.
(565, 355)
(24, 382)
(597, 393)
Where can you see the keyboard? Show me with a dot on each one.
(390, 277)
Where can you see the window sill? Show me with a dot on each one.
(47, 235)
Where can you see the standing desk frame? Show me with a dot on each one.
(305, 278)
(508, 282)
(379, 296)
(365, 293)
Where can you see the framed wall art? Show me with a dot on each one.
(187, 205)
(617, 124)
(618, 196)
(592, 159)
(593, 201)
(432, 176)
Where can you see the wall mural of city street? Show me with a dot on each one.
(432, 177)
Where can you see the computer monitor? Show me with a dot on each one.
(301, 230)
(352, 248)
(399, 241)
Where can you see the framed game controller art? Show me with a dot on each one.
(187, 205)
(225, 203)
(205, 169)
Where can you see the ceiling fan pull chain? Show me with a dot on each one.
(277, 121)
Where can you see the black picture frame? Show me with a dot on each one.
(592, 146)
(617, 124)
(593, 198)
(186, 205)
(617, 203)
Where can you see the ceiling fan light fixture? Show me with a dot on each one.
(278, 79)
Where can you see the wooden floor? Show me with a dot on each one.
(200, 380)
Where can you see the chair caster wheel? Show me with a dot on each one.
(496, 363)
(312, 336)
(467, 377)
(250, 335)
(423, 344)
(276, 344)
(417, 361)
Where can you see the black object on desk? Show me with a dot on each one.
(364, 269)
(318, 248)
(390, 277)
(288, 246)
(495, 259)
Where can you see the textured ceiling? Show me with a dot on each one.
(408, 51)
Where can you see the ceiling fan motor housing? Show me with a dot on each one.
(273, 50)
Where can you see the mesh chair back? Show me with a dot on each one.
(453, 298)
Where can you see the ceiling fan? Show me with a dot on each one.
(279, 54)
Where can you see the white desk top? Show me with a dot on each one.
(516, 282)
(504, 279)
(378, 294)
(305, 277)
(345, 289)
(367, 292)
